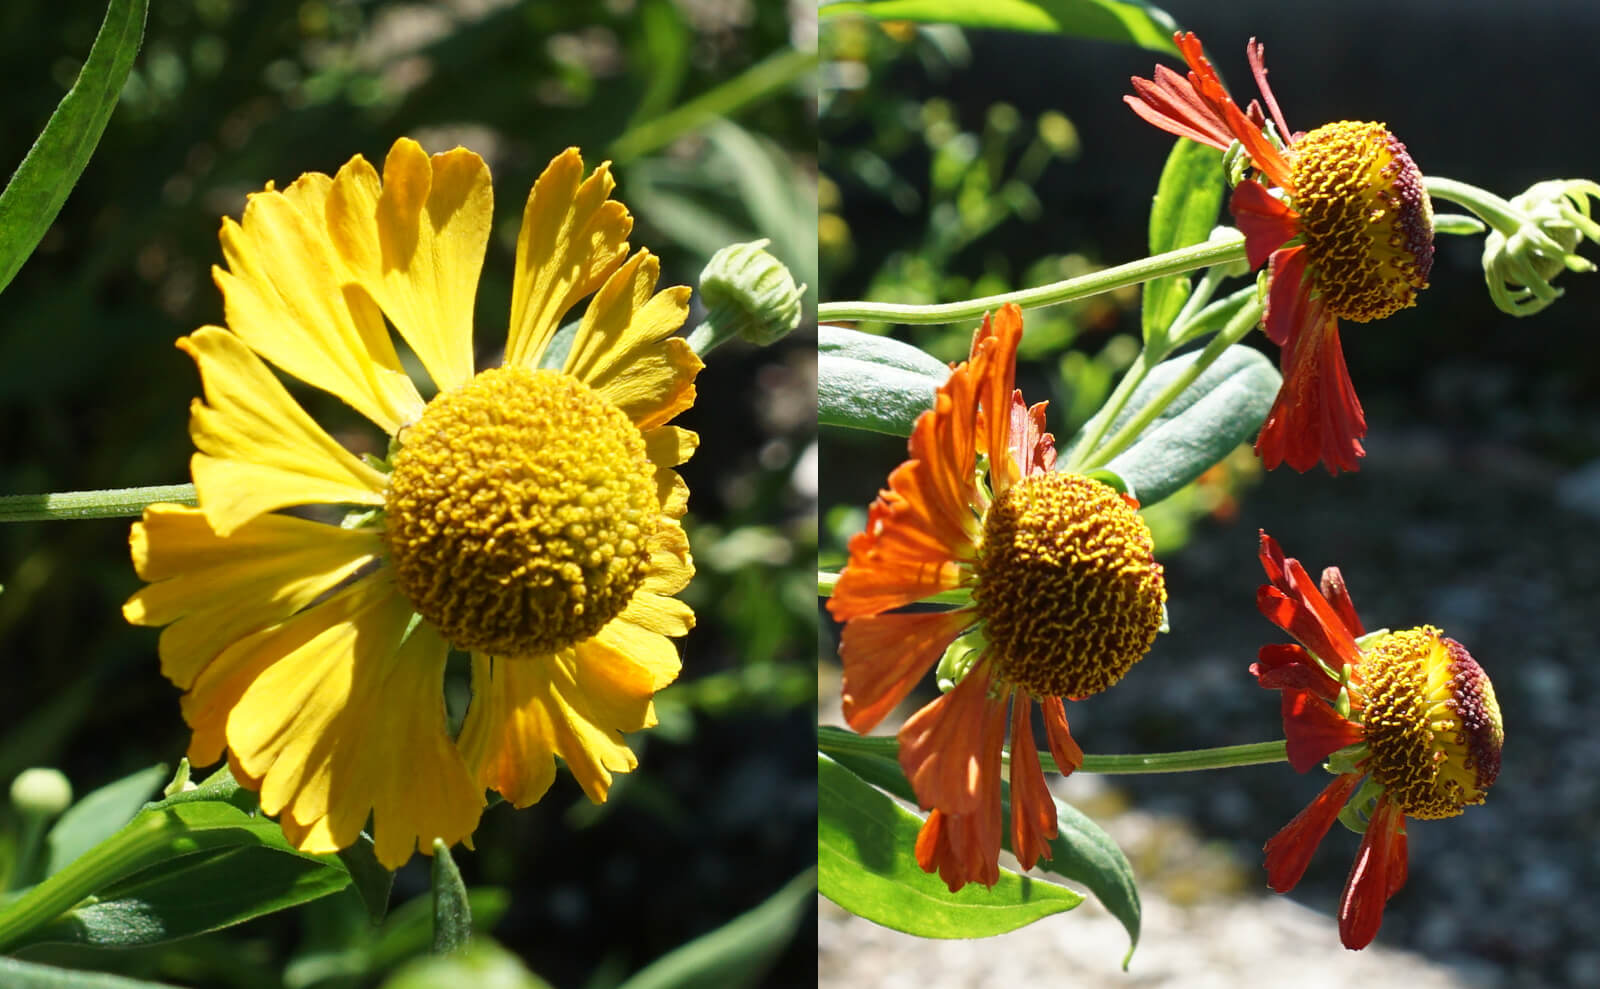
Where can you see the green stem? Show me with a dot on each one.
(836, 740)
(1243, 322)
(1202, 255)
(755, 83)
(1085, 448)
(110, 503)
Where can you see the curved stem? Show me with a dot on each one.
(1202, 255)
(1487, 206)
(110, 503)
(837, 740)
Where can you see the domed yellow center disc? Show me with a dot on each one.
(1365, 217)
(1068, 586)
(1432, 722)
(520, 512)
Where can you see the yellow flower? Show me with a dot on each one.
(527, 513)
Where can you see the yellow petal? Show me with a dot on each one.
(344, 716)
(672, 494)
(526, 710)
(669, 446)
(627, 660)
(624, 348)
(416, 243)
(258, 449)
(291, 299)
(572, 237)
(210, 591)
(670, 566)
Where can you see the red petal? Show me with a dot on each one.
(950, 750)
(885, 655)
(1266, 221)
(1317, 415)
(1289, 851)
(1338, 596)
(1283, 666)
(1294, 604)
(1372, 878)
(1063, 749)
(1314, 730)
(1256, 52)
(1033, 813)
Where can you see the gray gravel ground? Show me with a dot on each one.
(1500, 551)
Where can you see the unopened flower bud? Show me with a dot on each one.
(1519, 262)
(747, 293)
(41, 793)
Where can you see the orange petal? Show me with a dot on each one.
(885, 655)
(1033, 812)
(1063, 748)
(994, 367)
(950, 750)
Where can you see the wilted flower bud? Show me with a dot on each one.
(747, 293)
(1524, 253)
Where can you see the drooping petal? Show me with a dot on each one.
(624, 348)
(416, 243)
(1266, 221)
(334, 715)
(575, 703)
(1314, 730)
(885, 656)
(1063, 748)
(921, 527)
(1338, 596)
(210, 590)
(289, 296)
(1372, 877)
(259, 451)
(1289, 851)
(944, 747)
(1316, 415)
(965, 847)
(573, 236)
(1033, 812)
(1283, 666)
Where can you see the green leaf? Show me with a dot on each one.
(1188, 197)
(98, 815)
(151, 864)
(871, 382)
(372, 881)
(1131, 22)
(739, 952)
(452, 911)
(16, 974)
(40, 184)
(1081, 850)
(866, 865)
(1225, 406)
(193, 894)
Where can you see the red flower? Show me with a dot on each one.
(1411, 715)
(1065, 596)
(1348, 234)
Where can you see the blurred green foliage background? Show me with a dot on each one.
(707, 107)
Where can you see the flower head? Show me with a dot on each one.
(1339, 216)
(1409, 720)
(527, 513)
(1065, 596)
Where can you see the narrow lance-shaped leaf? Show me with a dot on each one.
(41, 183)
(1132, 22)
(866, 864)
(1222, 408)
(1188, 197)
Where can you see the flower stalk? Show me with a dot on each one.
(105, 504)
(835, 741)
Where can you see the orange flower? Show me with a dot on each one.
(1348, 234)
(1065, 596)
(1409, 718)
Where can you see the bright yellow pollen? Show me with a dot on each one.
(1366, 219)
(520, 511)
(1068, 586)
(1432, 722)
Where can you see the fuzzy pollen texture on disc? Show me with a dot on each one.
(520, 512)
(1068, 586)
(1366, 219)
(1432, 722)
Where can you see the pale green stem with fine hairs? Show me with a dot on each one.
(110, 503)
(837, 740)
(1202, 255)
